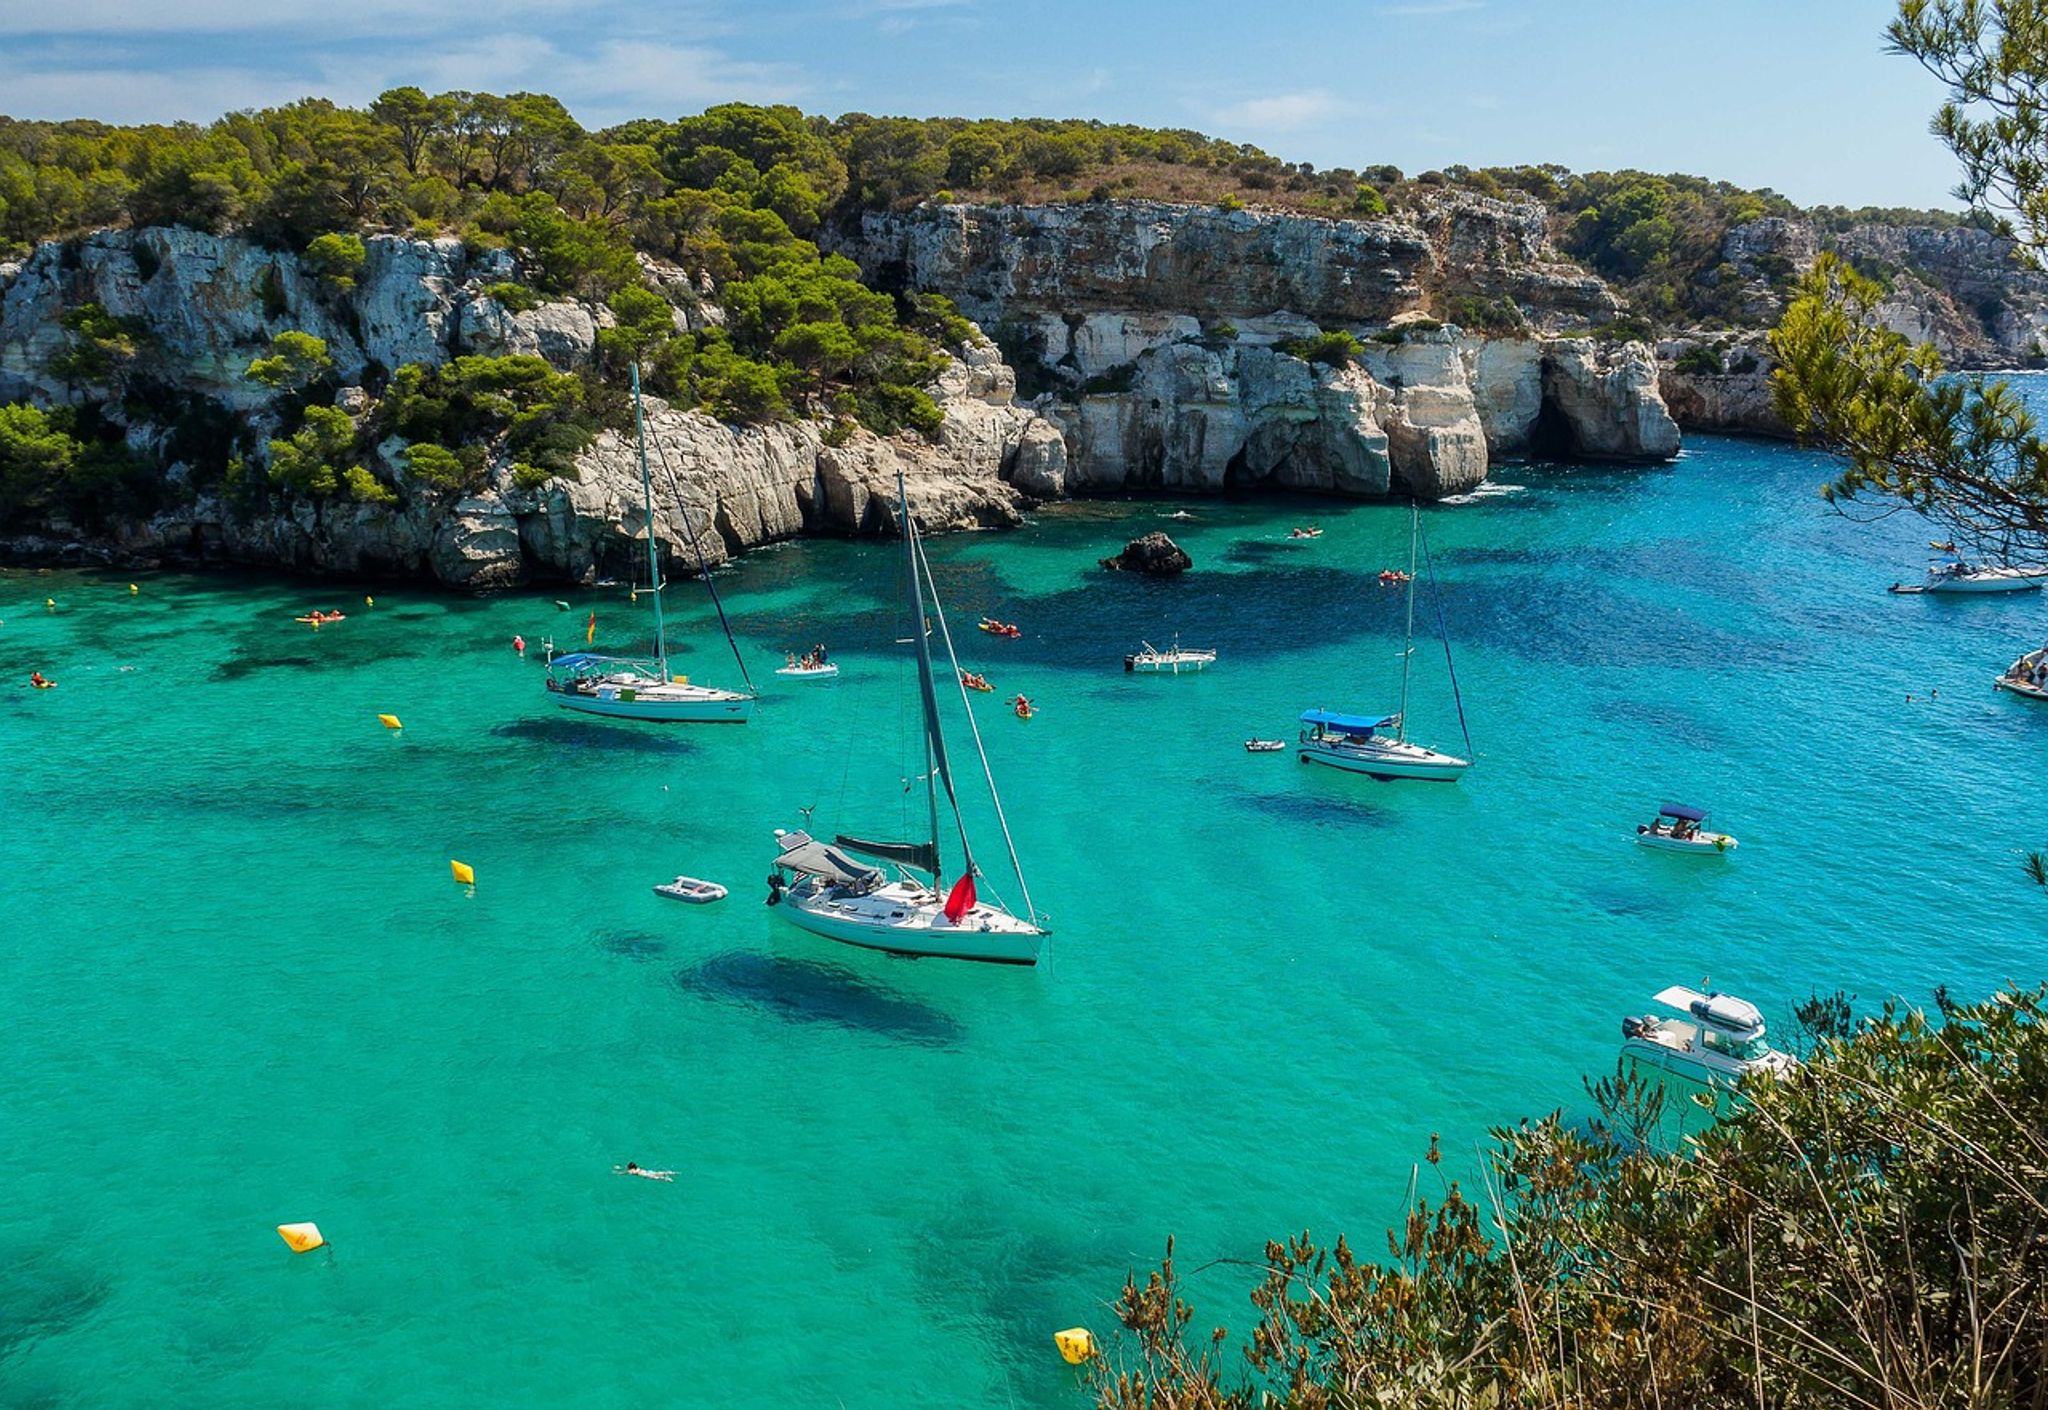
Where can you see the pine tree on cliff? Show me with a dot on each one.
(1962, 450)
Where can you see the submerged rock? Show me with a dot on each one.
(1154, 555)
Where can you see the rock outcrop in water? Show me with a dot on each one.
(1154, 554)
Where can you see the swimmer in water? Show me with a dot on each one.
(629, 1168)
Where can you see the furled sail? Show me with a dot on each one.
(922, 855)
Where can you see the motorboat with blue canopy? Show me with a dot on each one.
(1354, 743)
(1678, 828)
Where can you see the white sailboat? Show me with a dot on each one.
(1355, 743)
(631, 688)
(840, 889)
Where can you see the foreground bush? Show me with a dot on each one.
(1870, 1233)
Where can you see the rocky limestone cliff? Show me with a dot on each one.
(1964, 290)
(1153, 334)
(212, 303)
(1158, 333)
(1720, 383)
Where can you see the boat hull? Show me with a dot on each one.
(1394, 762)
(914, 930)
(814, 673)
(713, 708)
(1983, 581)
(2026, 688)
(1711, 844)
(1168, 666)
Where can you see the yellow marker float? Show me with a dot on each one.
(463, 873)
(1076, 1344)
(132, 588)
(303, 1238)
(389, 722)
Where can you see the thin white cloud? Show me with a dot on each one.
(604, 83)
(1282, 112)
(298, 17)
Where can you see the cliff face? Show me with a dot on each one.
(210, 304)
(1152, 334)
(1964, 290)
(1159, 334)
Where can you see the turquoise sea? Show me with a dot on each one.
(241, 989)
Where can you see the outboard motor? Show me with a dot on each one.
(1633, 1028)
(1130, 663)
(775, 887)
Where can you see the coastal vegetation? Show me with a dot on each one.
(1961, 449)
(1864, 1232)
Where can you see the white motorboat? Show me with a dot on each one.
(826, 672)
(637, 688)
(1718, 1041)
(840, 890)
(1354, 742)
(1264, 746)
(691, 889)
(1179, 660)
(2027, 676)
(1961, 577)
(1678, 828)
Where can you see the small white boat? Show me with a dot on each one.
(1719, 1041)
(826, 672)
(1678, 828)
(691, 889)
(1180, 660)
(1264, 746)
(2027, 676)
(1961, 577)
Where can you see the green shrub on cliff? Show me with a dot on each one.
(99, 349)
(1866, 1232)
(296, 359)
(336, 260)
(540, 415)
(312, 460)
(69, 464)
(1335, 348)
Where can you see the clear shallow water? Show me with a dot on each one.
(240, 988)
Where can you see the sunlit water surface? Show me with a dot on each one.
(241, 988)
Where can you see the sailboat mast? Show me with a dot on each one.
(938, 771)
(647, 505)
(1408, 641)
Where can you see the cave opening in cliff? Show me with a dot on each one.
(1551, 437)
(1237, 476)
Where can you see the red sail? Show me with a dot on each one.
(961, 901)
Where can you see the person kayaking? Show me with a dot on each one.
(519, 644)
(39, 680)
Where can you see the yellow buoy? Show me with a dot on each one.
(463, 872)
(303, 1238)
(133, 588)
(389, 722)
(369, 601)
(1076, 1344)
(51, 603)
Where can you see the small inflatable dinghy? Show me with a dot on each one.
(689, 888)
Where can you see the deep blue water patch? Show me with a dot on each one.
(816, 992)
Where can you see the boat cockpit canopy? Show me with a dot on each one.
(1680, 810)
(803, 853)
(1347, 724)
(1738, 1017)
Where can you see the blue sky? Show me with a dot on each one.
(1797, 95)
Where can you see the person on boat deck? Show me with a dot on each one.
(35, 678)
(819, 653)
(789, 659)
